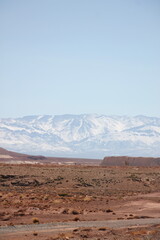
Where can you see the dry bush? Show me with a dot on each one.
(102, 229)
(35, 220)
(109, 210)
(75, 212)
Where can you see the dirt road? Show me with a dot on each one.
(67, 226)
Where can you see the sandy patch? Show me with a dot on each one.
(5, 156)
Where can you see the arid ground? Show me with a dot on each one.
(33, 194)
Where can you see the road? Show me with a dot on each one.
(66, 226)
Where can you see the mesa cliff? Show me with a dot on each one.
(130, 161)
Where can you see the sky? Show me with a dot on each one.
(79, 56)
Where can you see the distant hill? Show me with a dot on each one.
(130, 161)
(82, 136)
(10, 155)
(14, 157)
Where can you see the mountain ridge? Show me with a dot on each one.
(85, 135)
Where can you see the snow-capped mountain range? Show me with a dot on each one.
(86, 135)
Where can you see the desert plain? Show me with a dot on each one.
(45, 193)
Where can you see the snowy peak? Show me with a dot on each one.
(86, 135)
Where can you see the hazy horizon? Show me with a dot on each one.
(80, 114)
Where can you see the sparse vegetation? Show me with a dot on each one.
(135, 178)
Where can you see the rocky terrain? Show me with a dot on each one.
(35, 194)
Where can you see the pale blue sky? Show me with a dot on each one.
(79, 56)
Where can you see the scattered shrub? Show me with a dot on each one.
(35, 220)
(109, 210)
(75, 212)
(63, 194)
(102, 229)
